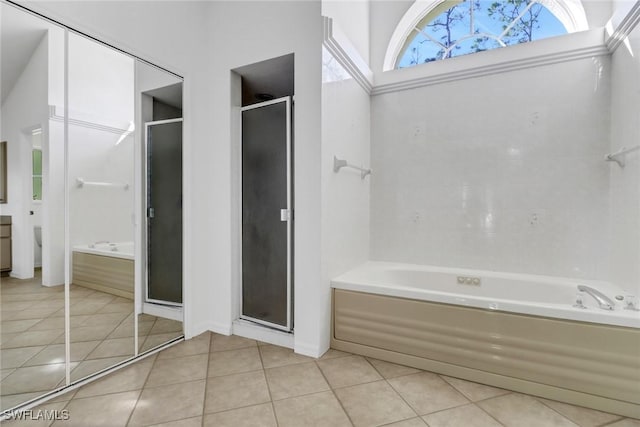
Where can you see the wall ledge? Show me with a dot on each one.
(572, 47)
(624, 28)
(334, 40)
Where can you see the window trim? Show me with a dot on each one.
(569, 12)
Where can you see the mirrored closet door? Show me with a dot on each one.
(73, 296)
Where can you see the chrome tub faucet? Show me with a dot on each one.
(603, 301)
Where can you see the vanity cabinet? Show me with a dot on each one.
(5, 245)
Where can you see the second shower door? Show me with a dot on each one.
(164, 212)
(266, 213)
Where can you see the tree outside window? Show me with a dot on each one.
(471, 26)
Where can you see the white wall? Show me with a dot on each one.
(625, 182)
(206, 41)
(245, 33)
(353, 18)
(24, 109)
(101, 94)
(502, 172)
(345, 195)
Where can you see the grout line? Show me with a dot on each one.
(266, 380)
(146, 380)
(608, 423)
(539, 399)
(206, 378)
(335, 396)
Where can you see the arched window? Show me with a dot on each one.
(435, 30)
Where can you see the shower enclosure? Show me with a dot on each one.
(164, 211)
(267, 213)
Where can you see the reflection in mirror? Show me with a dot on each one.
(160, 310)
(101, 205)
(32, 350)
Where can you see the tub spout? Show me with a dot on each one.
(93, 245)
(603, 301)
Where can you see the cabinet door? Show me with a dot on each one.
(5, 253)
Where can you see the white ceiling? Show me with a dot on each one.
(20, 35)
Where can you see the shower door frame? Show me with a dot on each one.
(145, 162)
(289, 105)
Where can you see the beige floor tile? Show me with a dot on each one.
(391, 370)
(18, 325)
(584, 417)
(196, 345)
(110, 410)
(48, 323)
(231, 342)
(627, 422)
(6, 372)
(13, 400)
(163, 326)
(169, 403)
(113, 347)
(16, 357)
(86, 307)
(467, 415)
(7, 336)
(117, 307)
(274, 356)
(427, 392)
(373, 404)
(412, 422)
(38, 417)
(320, 410)
(88, 367)
(250, 416)
(332, 354)
(124, 330)
(31, 313)
(349, 370)
(97, 319)
(55, 353)
(132, 377)
(187, 422)
(34, 338)
(153, 341)
(89, 333)
(523, 411)
(295, 380)
(235, 391)
(178, 370)
(474, 391)
(234, 361)
(33, 378)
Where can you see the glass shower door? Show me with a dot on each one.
(164, 212)
(266, 213)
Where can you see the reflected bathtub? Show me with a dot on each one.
(105, 267)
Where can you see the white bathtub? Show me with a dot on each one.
(122, 250)
(517, 293)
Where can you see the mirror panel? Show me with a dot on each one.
(101, 205)
(160, 121)
(32, 338)
(111, 96)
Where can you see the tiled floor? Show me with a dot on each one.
(214, 380)
(32, 335)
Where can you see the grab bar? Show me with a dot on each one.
(81, 183)
(619, 156)
(339, 164)
(603, 301)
